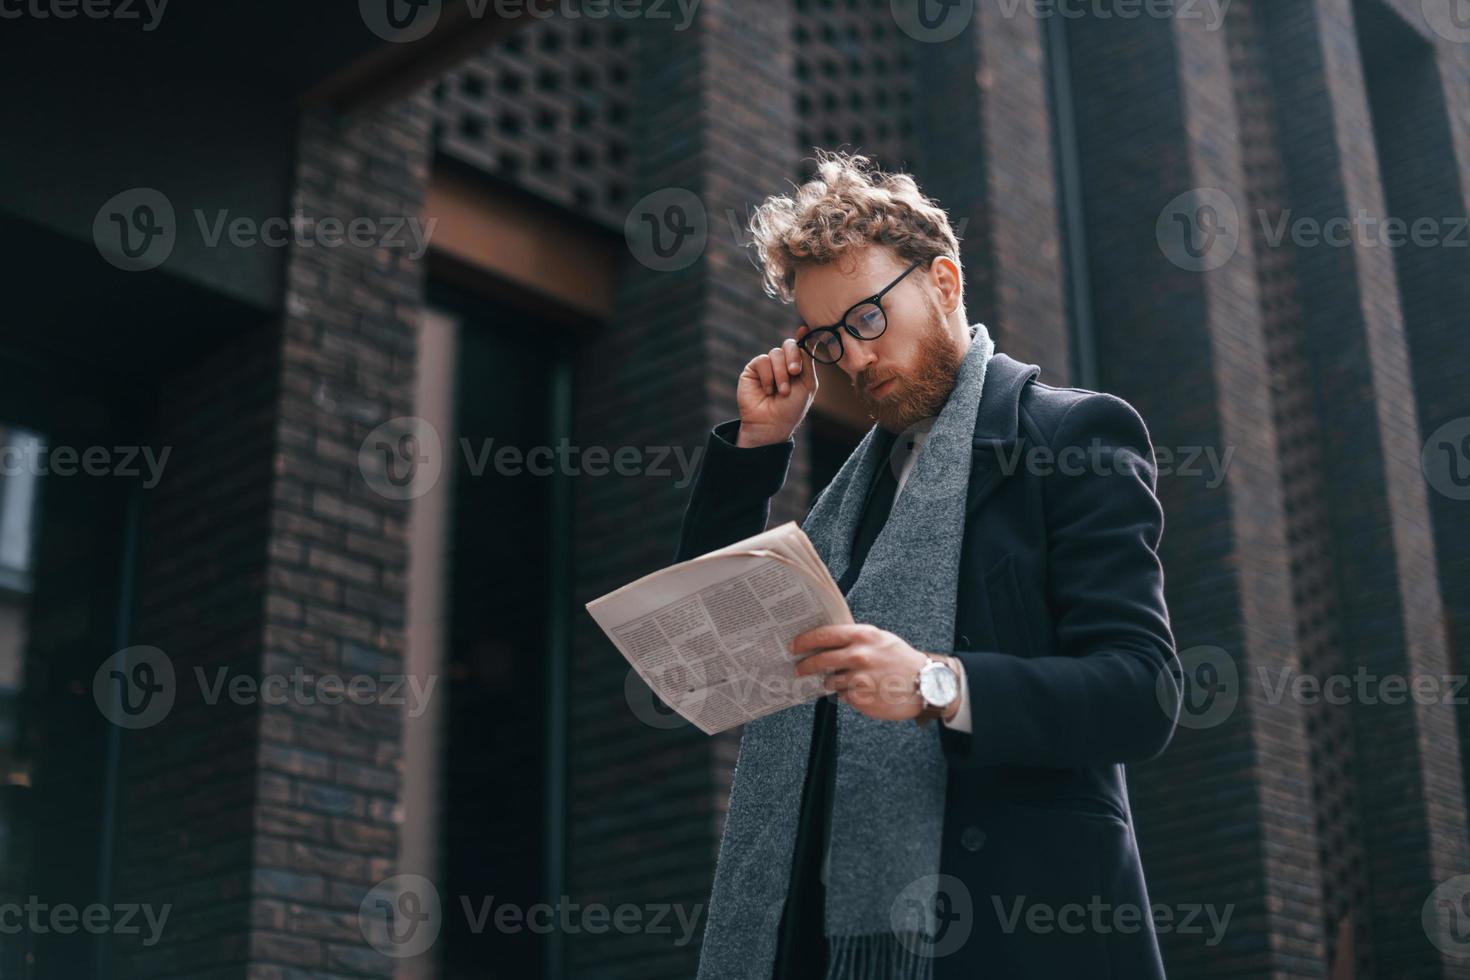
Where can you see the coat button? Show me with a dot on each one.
(964, 642)
(972, 838)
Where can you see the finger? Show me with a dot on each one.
(824, 637)
(802, 356)
(762, 366)
(793, 356)
(828, 662)
(778, 369)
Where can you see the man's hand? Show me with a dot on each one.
(773, 394)
(872, 669)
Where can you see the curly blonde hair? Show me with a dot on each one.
(849, 203)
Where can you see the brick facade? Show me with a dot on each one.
(986, 130)
(266, 550)
(1187, 350)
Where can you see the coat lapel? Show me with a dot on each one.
(998, 440)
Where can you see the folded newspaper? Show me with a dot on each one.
(709, 635)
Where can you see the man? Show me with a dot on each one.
(957, 806)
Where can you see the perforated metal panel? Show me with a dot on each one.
(1329, 726)
(548, 110)
(854, 81)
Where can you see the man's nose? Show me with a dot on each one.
(858, 356)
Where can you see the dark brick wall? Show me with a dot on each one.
(1187, 349)
(265, 825)
(1414, 98)
(329, 775)
(985, 150)
(1341, 901)
(188, 787)
(1410, 796)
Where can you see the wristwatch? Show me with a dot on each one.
(937, 686)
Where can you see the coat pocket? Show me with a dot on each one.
(1007, 609)
(1038, 890)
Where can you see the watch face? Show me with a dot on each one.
(938, 684)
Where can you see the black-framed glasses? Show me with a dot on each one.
(865, 320)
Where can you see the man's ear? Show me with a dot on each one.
(944, 273)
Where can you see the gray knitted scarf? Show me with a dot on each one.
(882, 861)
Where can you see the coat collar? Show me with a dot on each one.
(997, 426)
(998, 423)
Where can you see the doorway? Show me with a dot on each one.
(505, 658)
